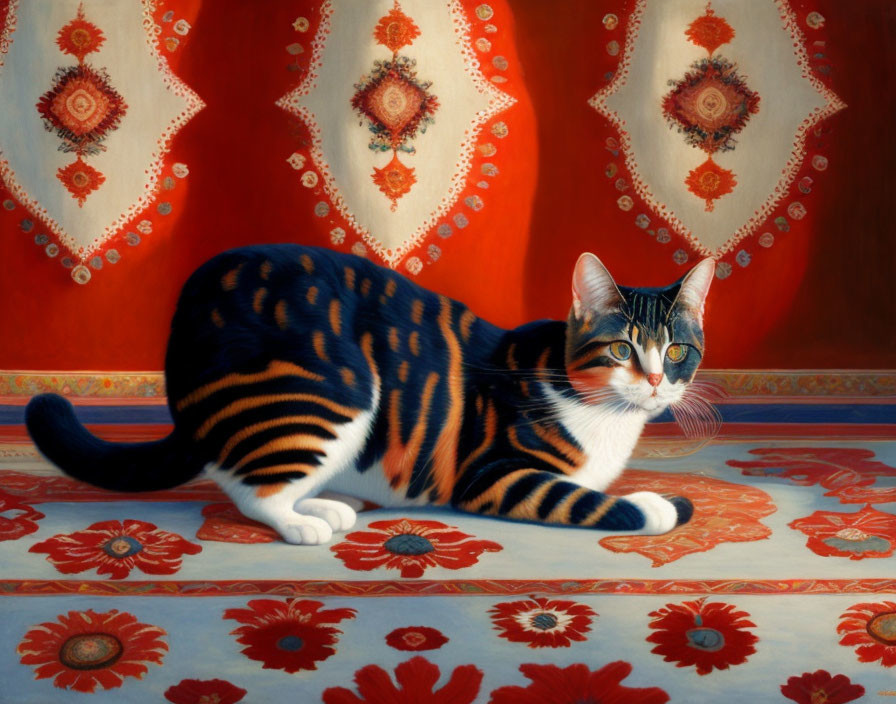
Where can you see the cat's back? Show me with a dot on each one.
(309, 305)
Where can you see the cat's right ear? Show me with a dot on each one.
(593, 288)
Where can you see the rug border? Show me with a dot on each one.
(793, 385)
(468, 587)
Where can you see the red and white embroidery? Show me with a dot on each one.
(82, 107)
(393, 133)
(116, 110)
(672, 72)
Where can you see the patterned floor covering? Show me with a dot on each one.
(782, 588)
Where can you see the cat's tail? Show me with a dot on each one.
(142, 466)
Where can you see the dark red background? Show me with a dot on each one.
(822, 297)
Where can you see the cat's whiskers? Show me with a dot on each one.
(696, 415)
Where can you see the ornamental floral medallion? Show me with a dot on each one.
(709, 106)
(394, 99)
(713, 104)
(395, 103)
(82, 107)
(90, 106)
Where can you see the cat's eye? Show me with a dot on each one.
(676, 353)
(621, 350)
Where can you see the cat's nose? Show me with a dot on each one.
(654, 379)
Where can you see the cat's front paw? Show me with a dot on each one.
(660, 515)
(305, 530)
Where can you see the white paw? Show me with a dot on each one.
(338, 515)
(660, 515)
(350, 501)
(305, 530)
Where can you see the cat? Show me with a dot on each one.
(293, 369)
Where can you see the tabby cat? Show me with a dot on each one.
(292, 369)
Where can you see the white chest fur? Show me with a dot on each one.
(606, 433)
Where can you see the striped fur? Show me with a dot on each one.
(292, 369)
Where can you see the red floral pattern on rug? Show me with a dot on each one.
(223, 522)
(707, 636)
(820, 688)
(416, 679)
(416, 638)
(84, 649)
(849, 473)
(204, 692)
(577, 684)
(115, 548)
(723, 513)
(542, 622)
(867, 533)
(17, 519)
(411, 546)
(289, 635)
(38, 489)
(872, 628)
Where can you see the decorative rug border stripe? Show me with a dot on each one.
(477, 587)
(789, 384)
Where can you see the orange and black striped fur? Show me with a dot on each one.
(291, 370)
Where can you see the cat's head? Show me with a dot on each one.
(637, 346)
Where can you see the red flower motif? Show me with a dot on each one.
(872, 627)
(542, 622)
(819, 687)
(710, 105)
(84, 649)
(723, 512)
(577, 684)
(849, 473)
(115, 548)
(83, 108)
(80, 37)
(416, 680)
(204, 692)
(80, 179)
(706, 635)
(395, 30)
(710, 182)
(411, 546)
(394, 180)
(225, 523)
(16, 519)
(416, 638)
(290, 635)
(868, 533)
(710, 31)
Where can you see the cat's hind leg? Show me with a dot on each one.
(274, 468)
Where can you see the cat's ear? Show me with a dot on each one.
(695, 287)
(593, 288)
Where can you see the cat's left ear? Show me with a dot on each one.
(695, 287)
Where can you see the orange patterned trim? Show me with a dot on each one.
(149, 387)
(475, 587)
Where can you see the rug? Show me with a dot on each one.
(781, 588)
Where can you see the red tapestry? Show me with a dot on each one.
(477, 165)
